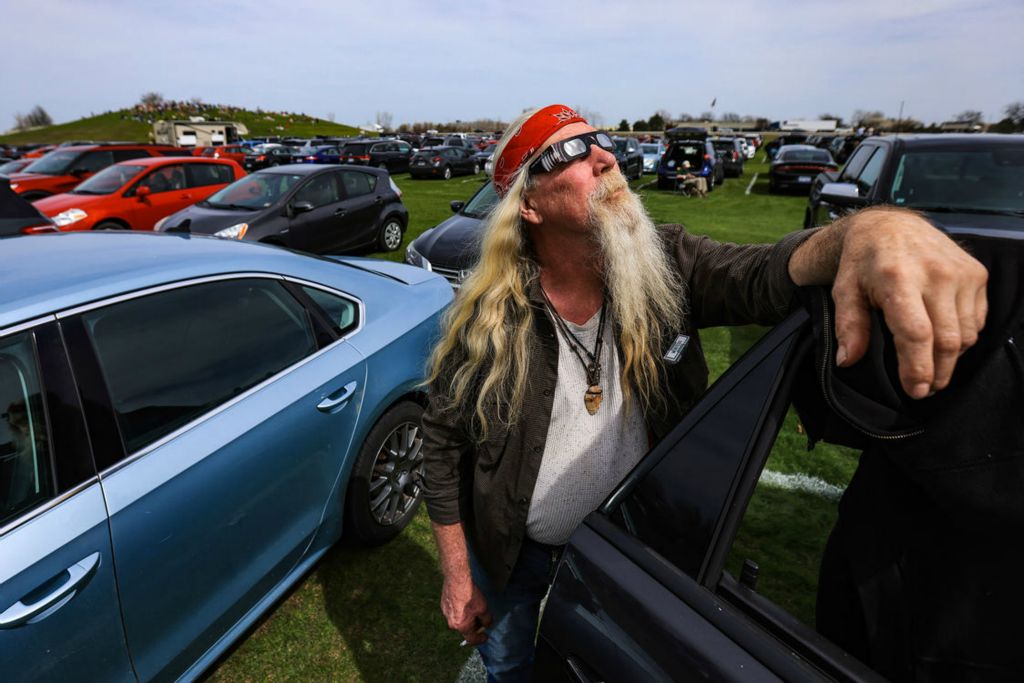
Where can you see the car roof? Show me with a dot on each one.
(52, 272)
(297, 169)
(161, 161)
(790, 148)
(962, 140)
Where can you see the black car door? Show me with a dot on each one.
(360, 209)
(402, 155)
(316, 212)
(641, 592)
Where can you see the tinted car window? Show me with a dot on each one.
(94, 161)
(164, 179)
(482, 202)
(867, 178)
(856, 162)
(26, 471)
(255, 191)
(819, 156)
(988, 179)
(342, 313)
(54, 163)
(404, 148)
(357, 184)
(108, 180)
(167, 360)
(318, 191)
(355, 148)
(126, 154)
(209, 174)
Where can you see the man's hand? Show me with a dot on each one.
(465, 608)
(931, 292)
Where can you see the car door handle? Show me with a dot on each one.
(78, 575)
(333, 401)
(378, 200)
(340, 212)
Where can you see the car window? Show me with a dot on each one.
(164, 179)
(319, 191)
(109, 180)
(26, 467)
(200, 175)
(404, 148)
(357, 183)
(341, 312)
(856, 162)
(869, 175)
(167, 360)
(94, 161)
(125, 154)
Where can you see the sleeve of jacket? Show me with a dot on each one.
(445, 444)
(737, 284)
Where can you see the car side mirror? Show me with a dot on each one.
(302, 207)
(143, 191)
(457, 206)
(842, 194)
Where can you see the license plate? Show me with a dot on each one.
(804, 179)
(421, 163)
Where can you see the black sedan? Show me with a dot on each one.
(443, 162)
(772, 147)
(796, 166)
(630, 157)
(955, 180)
(315, 208)
(451, 248)
(268, 156)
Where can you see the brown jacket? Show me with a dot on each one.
(487, 486)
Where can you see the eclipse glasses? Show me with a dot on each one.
(570, 149)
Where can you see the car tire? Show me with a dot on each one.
(476, 169)
(386, 472)
(389, 238)
(447, 173)
(110, 225)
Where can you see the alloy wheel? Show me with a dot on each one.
(396, 469)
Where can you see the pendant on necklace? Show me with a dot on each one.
(592, 398)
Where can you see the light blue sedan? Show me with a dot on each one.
(186, 425)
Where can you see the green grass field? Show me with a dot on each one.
(372, 615)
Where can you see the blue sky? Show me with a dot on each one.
(463, 60)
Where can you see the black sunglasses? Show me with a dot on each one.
(570, 149)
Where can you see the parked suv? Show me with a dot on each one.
(392, 155)
(958, 181)
(63, 168)
(689, 144)
(317, 208)
(729, 152)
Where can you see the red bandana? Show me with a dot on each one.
(528, 139)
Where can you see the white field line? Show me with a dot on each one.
(752, 181)
(801, 482)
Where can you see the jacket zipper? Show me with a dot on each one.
(826, 384)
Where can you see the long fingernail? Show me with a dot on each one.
(920, 390)
(841, 356)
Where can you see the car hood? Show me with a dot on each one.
(976, 223)
(57, 203)
(23, 180)
(206, 221)
(452, 244)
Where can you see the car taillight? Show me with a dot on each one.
(37, 229)
(735, 156)
(310, 158)
(261, 157)
(436, 159)
(707, 157)
(362, 157)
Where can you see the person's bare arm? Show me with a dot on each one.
(931, 292)
(462, 603)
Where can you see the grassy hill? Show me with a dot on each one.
(124, 125)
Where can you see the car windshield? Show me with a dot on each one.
(11, 167)
(649, 149)
(691, 153)
(482, 202)
(54, 163)
(256, 191)
(817, 156)
(109, 180)
(968, 180)
(432, 142)
(620, 145)
(723, 145)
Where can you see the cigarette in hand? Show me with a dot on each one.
(464, 643)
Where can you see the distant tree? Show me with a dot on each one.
(151, 99)
(863, 117)
(36, 118)
(707, 115)
(684, 117)
(656, 122)
(730, 117)
(640, 124)
(832, 117)
(969, 116)
(1015, 112)
(384, 119)
(623, 126)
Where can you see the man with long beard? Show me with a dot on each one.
(573, 346)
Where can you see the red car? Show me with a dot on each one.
(234, 152)
(65, 167)
(135, 195)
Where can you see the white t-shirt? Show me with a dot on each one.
(585, 455)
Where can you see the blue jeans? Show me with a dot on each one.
(508, 652)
